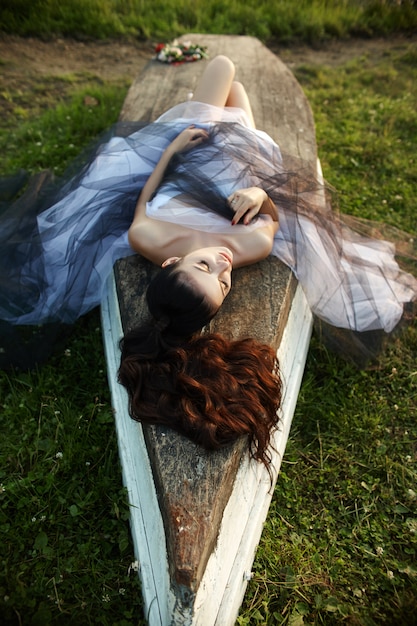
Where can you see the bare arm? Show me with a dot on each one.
(187, 139)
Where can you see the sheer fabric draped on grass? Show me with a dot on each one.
(59, 242)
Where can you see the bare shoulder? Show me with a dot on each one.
(150, 238)
(157, 240)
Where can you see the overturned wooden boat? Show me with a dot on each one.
(197, 517)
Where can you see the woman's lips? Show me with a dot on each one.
(227, 256)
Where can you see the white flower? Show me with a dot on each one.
(390, 574)
(133, 567)
(106, 598)
(122, 591)
(380, 551)
(59, 455)
(412, 525)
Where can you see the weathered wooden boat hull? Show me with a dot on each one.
(197, 517)
(227, 572)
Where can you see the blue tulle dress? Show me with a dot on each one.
(58, 244)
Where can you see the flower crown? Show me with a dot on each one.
(177, 53)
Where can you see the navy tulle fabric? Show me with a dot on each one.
(58, 242)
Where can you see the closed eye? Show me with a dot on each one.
(224, 284)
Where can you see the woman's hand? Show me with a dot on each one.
(247, 203)
(187, 139)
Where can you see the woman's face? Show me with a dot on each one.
(210, 269)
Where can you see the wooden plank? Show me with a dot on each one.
(206, 511)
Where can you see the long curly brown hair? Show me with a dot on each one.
(205, 387)
(209, 389)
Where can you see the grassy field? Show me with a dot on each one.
(306, 20)
(340, 542)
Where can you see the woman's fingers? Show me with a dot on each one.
(189, 138)
(245, 204)
(246, 214)
(250, 214)
(193, 136)
(198, 135)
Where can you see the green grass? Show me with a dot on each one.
(367, 133)
(339, 545)
(66, 549)
(56, 137)
(286, 20)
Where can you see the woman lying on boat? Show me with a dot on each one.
(205, 387)
(215, 193)
(209, 389)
